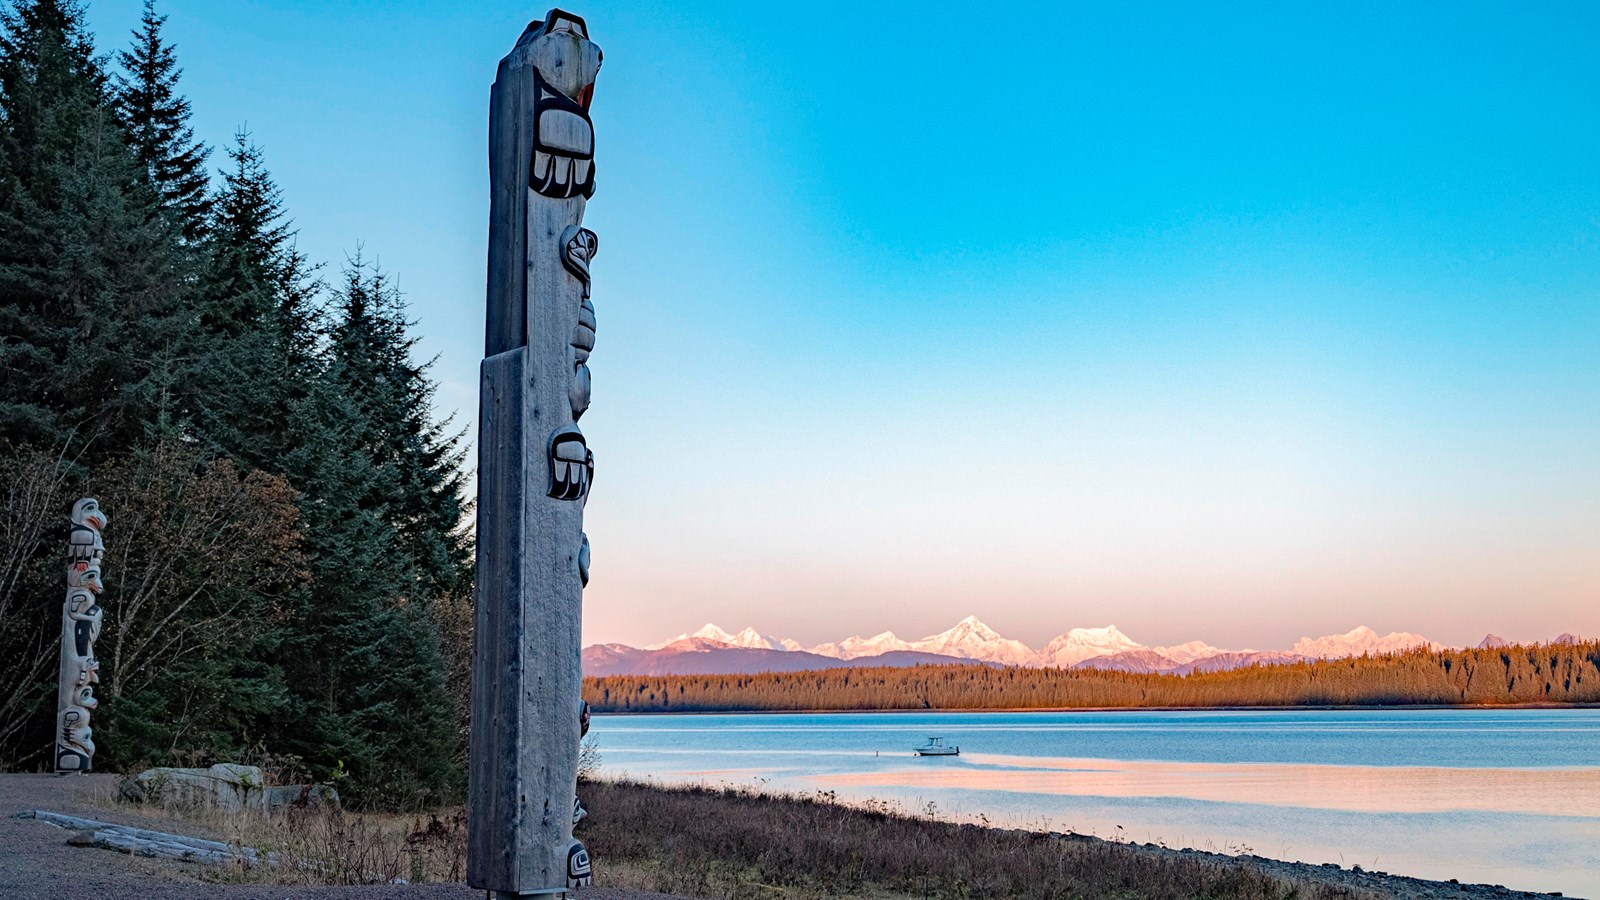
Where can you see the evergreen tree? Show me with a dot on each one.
(259, 325)
(360, 655)
(92, 285)
(157, 120)
(419, 461)
(386, 540)
(154, 325)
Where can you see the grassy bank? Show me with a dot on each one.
(737, 843)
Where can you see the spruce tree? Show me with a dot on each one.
(259, 323)
(133, 317)
(92, 286)
(421, 460)
(386, 541)
(157, 119)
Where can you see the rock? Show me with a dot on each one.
(226, 786)
(301, 796)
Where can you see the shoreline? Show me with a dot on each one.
(680, 853)
(689, 804)
(1417, 808)
(1097, 709)
(1404, 887)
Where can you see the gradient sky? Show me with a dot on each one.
(1235, 322)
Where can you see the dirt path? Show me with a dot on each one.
(37, 864)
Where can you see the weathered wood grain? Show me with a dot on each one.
(527, 675)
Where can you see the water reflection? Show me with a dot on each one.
(1551, 792)
(1495, 796)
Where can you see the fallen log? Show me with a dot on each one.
(161, 845)
(155, 844)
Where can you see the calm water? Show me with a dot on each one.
(1504, 797)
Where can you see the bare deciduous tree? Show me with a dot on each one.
(37, 493)
(198, 544)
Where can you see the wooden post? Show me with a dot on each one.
(534, 468)
(80, 627)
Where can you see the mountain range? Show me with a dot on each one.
(713, 651)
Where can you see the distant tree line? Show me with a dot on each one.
(1550, 673)
(288, 575)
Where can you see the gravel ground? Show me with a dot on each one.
(37, 864)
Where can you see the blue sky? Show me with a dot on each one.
(1235, 322)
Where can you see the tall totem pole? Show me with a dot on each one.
(80, 627)
(534, 469)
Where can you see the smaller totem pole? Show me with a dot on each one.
(80, 626)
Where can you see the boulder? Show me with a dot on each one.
(301, 796)
(226, 787)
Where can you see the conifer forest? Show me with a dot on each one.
(289, 567)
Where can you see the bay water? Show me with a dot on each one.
(1508, 796)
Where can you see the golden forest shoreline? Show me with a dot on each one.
(1519, 676)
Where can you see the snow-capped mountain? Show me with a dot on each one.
(712, 649)
(1356, 642)
(1079, 644)
(703, 656)
(854, 647)
(749, 639)
(1491, 641)
(971, 639)
(1183, 654)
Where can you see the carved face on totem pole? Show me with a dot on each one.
(74, 740)
(85, 575)
(84, 617)
(565, 65)
(88, 512)
(578, 247)
(579, 872)
(88, 672)
(85, 544)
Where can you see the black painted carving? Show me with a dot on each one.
(571, 465)
(579, 872)
(563, 135)
(578, 246)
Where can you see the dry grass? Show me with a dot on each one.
(737, 843)
(322, 846)
(741, 844)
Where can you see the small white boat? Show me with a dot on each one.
(937, 747)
